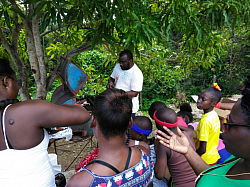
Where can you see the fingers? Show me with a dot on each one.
(169, 131)
(179, 132)
(110, 85)
(162, 134)
(165, 144)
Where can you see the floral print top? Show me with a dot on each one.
(140, 175)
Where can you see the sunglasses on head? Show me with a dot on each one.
(226, 125)
(19, 81)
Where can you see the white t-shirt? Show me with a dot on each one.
(127, 80)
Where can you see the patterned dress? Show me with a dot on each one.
(139, 175)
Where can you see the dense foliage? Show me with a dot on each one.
(178, 44)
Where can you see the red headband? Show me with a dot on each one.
(161, 123)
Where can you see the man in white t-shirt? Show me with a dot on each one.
(128, 77)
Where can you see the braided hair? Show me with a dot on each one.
(245, 100)
(6, 70)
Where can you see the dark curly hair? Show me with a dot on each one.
(155, 106)
(126, 52)
(113, 109)
(6, 70)
(186, 110)
(245, 100)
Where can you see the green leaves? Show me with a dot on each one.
(19, 12)
(31, 1)
(39, 7)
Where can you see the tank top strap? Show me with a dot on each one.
(110, 166)
(104, 164)
(7, 143)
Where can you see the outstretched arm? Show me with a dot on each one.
(181, 144)
(132, 93)
(45, 114)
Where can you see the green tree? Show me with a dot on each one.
(99, 21)
(29, 27)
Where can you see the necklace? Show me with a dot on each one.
(204, 172)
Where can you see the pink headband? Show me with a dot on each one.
(161, 123)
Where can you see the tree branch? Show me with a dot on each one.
(63, 44)
(84, 47)
(15, 34)
(232, 26)
(4, 42)
(41, 84)
(107, 45)
(62, 41)
(174, 42)
(47, 32)
(13, 2)
(167, 59)
(6, 29)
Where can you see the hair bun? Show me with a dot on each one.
(246, 88)
(218, 87)
(186, 107)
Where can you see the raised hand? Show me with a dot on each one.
(110, 85)
(179, 144)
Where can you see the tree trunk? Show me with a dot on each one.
(13, 52)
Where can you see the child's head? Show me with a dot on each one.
(209, 97)
(186, 113)
(142, 127)
(155, 106)
(165, 117)
(113, 109)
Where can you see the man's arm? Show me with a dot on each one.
(132, 93)
(111, 83)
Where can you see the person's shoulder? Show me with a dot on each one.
(211, 116)
(81, 179)
(30, 103)
(136, 68)
(117, 68)
(161, 148)
(142, 146)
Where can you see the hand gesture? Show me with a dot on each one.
(179, 144)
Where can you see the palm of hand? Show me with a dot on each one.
(179, 144)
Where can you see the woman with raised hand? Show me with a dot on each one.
(236, 170)
(23, 139)
(116, 163)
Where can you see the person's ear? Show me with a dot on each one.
(93, 122)
(140, 136)
(214, 103)
(130, 123)
(6, 82)
(186, 119)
